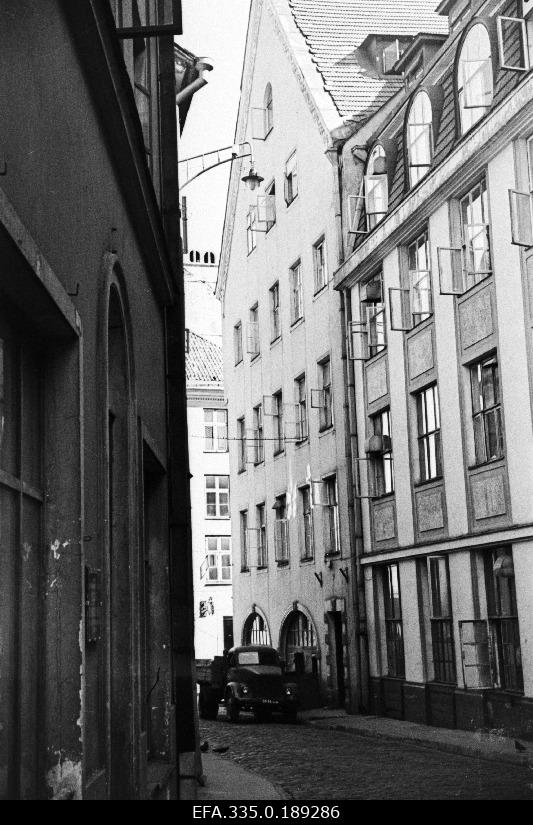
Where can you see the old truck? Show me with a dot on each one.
(248, 678)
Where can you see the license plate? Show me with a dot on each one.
(269, 701)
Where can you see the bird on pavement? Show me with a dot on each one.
(204, 746)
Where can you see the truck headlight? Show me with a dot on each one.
(288, 690)
(244, 689)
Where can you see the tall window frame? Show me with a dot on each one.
(261, 532)
(291, 179)
(429, 439)
(330, 515)
(278, 425)
(300, 392)
(275, 317)
(441, 620)
(241, 444)
(308, 544)
(320, 267)
(215, 430)
(251, 229)
(326, 390)
(419, 134)
(393, 621)
(243, 524)
(420, 288)
(217, 504)
(376, 187)
(382, 460)
(474, 76)
(296, 284)
(218, 560)
(486, 410)
(281, 532)
(237, 343)
(475, 234)
(258, 435)
(268, 105)
(502, 614)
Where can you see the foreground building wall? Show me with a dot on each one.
(89, 311)
(439, 291)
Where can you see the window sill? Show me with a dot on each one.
(384, 497)
(245, 569)
(251, 252)
(477, 283)
(218, 584)
(238, 362)
(217, 518)
(437, 480)
(215, 452)
(325, 430)
(254, 358)
(277, 453)
(270, 228)
(297, 323)
(376, 355)
(259, 463)
(262, 567)
(320, 291)
(335, 555)
(299, 444)
(275, 341)
(482, 464)
(307, 560)
(241, 470)
(282, 563)
(289, 203)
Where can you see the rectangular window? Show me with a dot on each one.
(429, 448)
(258, 435)
(324, 380)
(393, 621)
(502, 613)
(245, 565)
(297, 304)
(147, 19)
(307, 519)
(441, 620)
(376, 199)
(512, 43)
(281, 531)
(382, 460)
(251, 231)
(301, 409)
(277, 423)
(237, 342)
(486, 410)
(266, 207)
(421, 300)
(216, 431)
(241, 444)
(262, 554)
(291, 179)
(252, 343)
(275, 324)
(331, 518)
(373, 313)
(319, 265)
(475, 231)
(218, 559)
(217, 496)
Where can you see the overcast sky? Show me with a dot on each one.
(215, 29)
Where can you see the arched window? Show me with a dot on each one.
(475, 86)
(255, 631)
(419, 137)
(269, 109)
(300, 644)
(376, 187)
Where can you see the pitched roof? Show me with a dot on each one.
(334, 31)
(204, 361)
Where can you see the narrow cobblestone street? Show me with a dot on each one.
(312, 763)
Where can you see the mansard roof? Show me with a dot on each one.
(334, 31)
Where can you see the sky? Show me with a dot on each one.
(214, 29)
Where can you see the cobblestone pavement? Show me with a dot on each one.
(313, 763)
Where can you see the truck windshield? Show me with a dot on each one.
(258, 657)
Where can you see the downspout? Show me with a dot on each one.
(359, 699)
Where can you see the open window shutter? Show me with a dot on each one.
(521, 218)
(355, 207)
(203, 567)
(269, 405)
(451, 276)
(475, 654)
(319, 494)
(358, 341)
(400, 316)
(318, 399)
(164, 18)
(258, 123)
(512, 40)
(266, 208)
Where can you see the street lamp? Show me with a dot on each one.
(252, 179)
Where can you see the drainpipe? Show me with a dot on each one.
(360, 698)
(203, 65)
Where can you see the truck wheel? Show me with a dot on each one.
(290, 716)
(232, 708)
(263, 714)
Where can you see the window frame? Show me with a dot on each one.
(302, 421)
(308, 539)
(417, 275)
(467, 123)
(219, 553)
(381, 182)
(259, 434)
(428, 440)
(262, 538)
(241, 444)
(326, 409)
(218, 491)
(251, 229)
(278, 423)
(243, 526)
(482, 413)
(330, 515)
(441, 620)
(268, 106)
(383, 479)
(473, 276)
(503, 621)
(237, 343)
(320, 249)
(281, 532)
(393, 621)
(297, 298)
(275, 313)
(216, 439)
(291, 183)
(414, 176)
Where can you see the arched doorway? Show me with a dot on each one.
(255, 630)
(299, 649)
(120, 541)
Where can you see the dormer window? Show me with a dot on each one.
(376, 187)
(475, 83)
(390, 55)
(419, 137)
